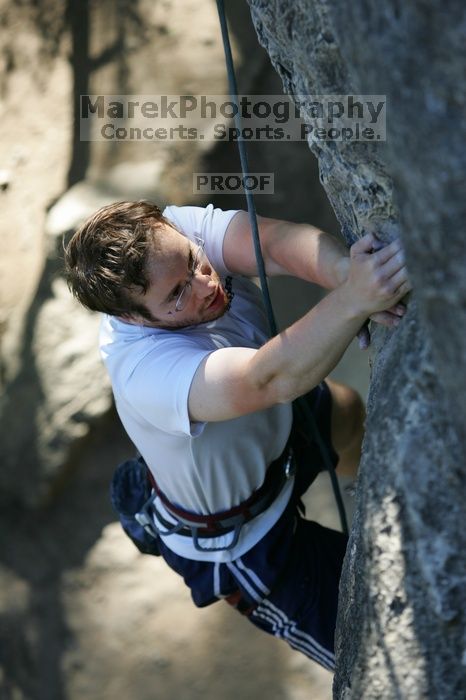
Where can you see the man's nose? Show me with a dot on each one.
(202, 285)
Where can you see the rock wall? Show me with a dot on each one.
(402, 609)
(53, 387)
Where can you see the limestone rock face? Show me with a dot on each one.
(402, 609)
(55, 386)
(52, 374)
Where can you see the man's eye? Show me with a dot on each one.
(192, 263)
(175, 294)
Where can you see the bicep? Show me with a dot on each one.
(238, 246)
(223, 387)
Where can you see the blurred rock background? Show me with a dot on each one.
(82, 614)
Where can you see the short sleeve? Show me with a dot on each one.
(207, 222)
(159, 385)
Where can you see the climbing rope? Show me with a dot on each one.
(302, 410)
(245, 168)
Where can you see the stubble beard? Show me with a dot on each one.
(193, 321)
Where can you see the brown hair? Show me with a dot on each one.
(107, 257)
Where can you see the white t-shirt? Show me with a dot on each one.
(202, 467)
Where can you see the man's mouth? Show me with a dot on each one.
(217, 301)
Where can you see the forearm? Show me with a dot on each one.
(300, 250)
(303, 355)
(306, 252)
(231, 382)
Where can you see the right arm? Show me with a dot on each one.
(235, 381)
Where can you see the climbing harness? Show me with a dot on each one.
(135, 494)
(146, 513)
(301, 410)
(201, 527)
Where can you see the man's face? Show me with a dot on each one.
(169, 269)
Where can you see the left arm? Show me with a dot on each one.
(299, 250)
(293, 249)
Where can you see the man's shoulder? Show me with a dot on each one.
(114, 329)
(125, 345)
(121, 345)
(151, 371)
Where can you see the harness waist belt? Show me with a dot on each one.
(214, 525)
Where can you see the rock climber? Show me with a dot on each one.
(206, 395)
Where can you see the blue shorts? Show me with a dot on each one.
(287, 584)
